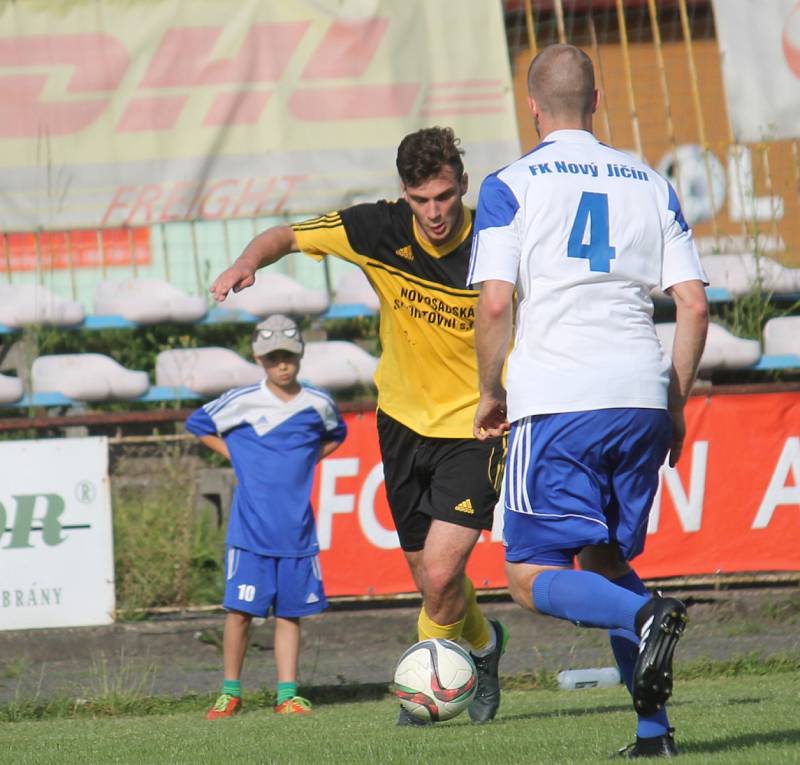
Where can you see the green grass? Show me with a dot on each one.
(741, 719)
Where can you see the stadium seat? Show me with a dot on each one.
(337, 364)
(87, 377)
(353, 289)
(782, 335)
(207, 371)
(277, 293)
(211, 371)
(723, 350)
(22, 304)
(11, 389)
(781, 344)
(147, 301)
(740, 274)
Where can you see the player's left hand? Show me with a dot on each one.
(491, 417)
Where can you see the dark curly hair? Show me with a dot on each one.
(423, 154)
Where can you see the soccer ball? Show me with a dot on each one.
(435, 680)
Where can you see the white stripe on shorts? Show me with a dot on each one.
(526, 443)
(518, 497)
(233, 562)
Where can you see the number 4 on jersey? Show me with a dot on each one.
(592, 209)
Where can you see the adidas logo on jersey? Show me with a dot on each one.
(465, 507)
(312, 598)
(405, 252)
(261, 426)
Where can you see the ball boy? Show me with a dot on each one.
(273, 433)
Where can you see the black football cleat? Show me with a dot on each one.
(660, 624)
(659, 746)
(484, 706)
(406, 718)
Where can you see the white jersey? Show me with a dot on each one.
(585, 232)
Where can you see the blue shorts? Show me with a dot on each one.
(582, 478)
(257, 584)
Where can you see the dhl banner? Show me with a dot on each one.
(138, 113)
(732, 504)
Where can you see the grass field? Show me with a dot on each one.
(745, 719)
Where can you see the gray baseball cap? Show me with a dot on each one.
(277, 333)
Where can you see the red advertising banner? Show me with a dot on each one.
(60, 250)
(732, 505)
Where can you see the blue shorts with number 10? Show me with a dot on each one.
(582, 478)
(259, 585)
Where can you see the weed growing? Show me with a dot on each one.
(166, 553)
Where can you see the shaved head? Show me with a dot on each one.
(561, 82)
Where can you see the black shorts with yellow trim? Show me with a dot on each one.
(455, 480)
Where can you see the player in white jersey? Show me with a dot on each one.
(583, 233)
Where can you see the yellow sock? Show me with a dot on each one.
(476, 629)
(427, 628)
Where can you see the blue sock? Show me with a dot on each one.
(586, 598)
(625, 645)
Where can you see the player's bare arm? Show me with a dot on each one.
(266, 248)
(328, 448)
(691, 326)
(216, 444)
(493, 325)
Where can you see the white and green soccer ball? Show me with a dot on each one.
(435, 680)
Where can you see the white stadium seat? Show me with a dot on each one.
(782, 336)
(148, 301)
(277, 293)
(211, 371)
(337, 364)
(739, 274)
(87, 377)
(723, 350)
(22, 304)
(11, 389)
(353, 288)
(208, 371)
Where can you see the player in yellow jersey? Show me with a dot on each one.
(441, 482)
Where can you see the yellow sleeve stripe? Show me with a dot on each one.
(324, 237)
(323, 221)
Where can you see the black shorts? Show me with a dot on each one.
(451, 479)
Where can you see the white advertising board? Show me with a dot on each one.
(56, 544)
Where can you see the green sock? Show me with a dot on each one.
(232, 687)
(286, 691)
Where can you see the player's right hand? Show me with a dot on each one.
(678, 435)
(491, 417)
(236, 278)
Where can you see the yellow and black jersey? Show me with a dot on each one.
(427, 377)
